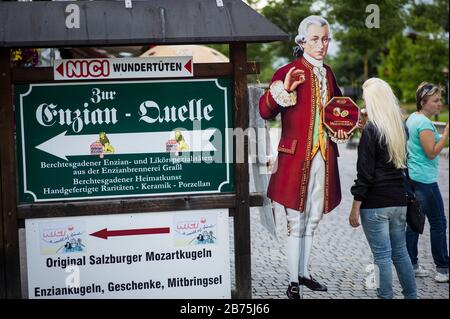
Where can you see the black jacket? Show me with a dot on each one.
(378, 184)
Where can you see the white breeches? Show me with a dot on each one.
(301, 226)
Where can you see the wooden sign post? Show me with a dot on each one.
(97, 144)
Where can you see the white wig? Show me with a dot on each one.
(304, 25)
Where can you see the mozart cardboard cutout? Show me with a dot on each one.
(306, 182)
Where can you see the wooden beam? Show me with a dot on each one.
(133, 205)
(242, 247)
(45, 74)
(8, 179)
(2, 244)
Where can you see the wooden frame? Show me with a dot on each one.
(13, 214)
(133, 205)
(238, 56)
(155, 22)
(10, 247)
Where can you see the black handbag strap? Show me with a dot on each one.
(410, 182)
(405, 170)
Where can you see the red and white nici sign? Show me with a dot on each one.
(122, 68)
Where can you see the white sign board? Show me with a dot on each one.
(150, 255)
(123, 68)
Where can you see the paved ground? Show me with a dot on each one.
(341, 255)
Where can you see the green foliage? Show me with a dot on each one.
(410, 46)
(255, 52)
(261, 53)
(410, 62)
(392, 64)
(351, 16)
(252, 3)
(358, 42)
(222, 48)
(287, 15)
(443, 117)
(429, 17)
(348, 67)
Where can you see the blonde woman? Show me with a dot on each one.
(379, 193)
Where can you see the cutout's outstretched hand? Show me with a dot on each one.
(293, 78)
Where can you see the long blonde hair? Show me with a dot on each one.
(384, 112)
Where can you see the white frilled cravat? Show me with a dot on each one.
(321, 74)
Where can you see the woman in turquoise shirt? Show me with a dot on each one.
(424, 145)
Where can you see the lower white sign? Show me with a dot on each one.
(183, 254)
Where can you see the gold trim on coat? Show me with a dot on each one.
(306, 166)
(327, 180)
(288, 150)
(327, 162)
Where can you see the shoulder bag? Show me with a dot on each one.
(415, 218)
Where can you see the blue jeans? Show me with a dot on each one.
(433, 207)
(385, 231)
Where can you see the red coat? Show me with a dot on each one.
(288, 185)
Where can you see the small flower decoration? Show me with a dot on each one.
(25, 57)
